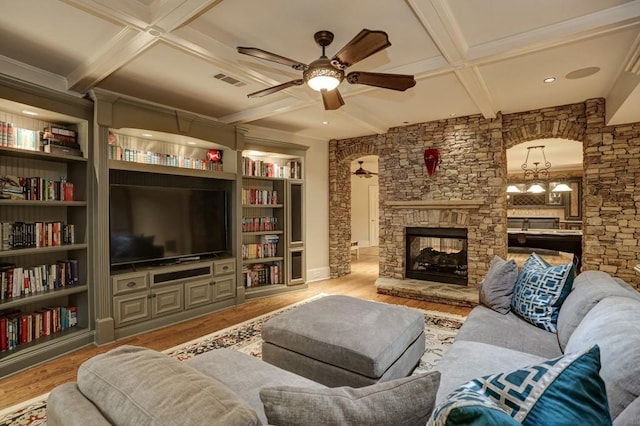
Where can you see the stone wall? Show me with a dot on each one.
(473, 167)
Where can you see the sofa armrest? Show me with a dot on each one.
(67, 406)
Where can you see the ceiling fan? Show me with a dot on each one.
(324, 74)
(361, 172)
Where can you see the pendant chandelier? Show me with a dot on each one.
(536, 177)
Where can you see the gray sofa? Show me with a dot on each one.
(599, 310)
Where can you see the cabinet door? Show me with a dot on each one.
(224, 287)
(197, 293)
(131, 308)
(166, 300)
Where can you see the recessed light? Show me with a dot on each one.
(26, 112)
(325, 122)
(549, 79)
(147, 135)
(453, 114)
(191, 143)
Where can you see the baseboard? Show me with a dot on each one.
(318, 274)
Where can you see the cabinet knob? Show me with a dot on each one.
(131, 284)
(225, 267)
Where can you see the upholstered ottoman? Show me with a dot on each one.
(344, 341)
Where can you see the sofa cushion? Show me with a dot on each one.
(563, 391)
(508, 331)
(241, 372)
(630, 416)
(540, 290)
(496, 289)
(134, 386)
(465, 361)
(406, 401)
(589, 288)
(614, 325)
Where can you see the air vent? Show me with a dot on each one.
(228, 79)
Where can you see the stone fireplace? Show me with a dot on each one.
(436, 254)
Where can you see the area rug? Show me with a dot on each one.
(440, 331)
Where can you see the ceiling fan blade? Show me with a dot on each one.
(399, 82)
(363, 45)
(331, 99)
(263, 54)
(275, 89)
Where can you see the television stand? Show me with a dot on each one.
(158, 296)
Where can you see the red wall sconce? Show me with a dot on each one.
(431, 160)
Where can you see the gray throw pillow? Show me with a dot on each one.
(406, 401)
(497, 287)
(138, 386)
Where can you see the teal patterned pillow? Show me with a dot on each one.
(563, 391)
(540, 290)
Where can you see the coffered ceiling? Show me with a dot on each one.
(468, 57)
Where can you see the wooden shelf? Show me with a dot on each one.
(262, 206)
(169, 170)
(42, 296)
(264, 178)
(43, 203)
(261, 260)
(263, 233)
(39, 250)
(39, 155)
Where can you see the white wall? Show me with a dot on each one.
(316, 198)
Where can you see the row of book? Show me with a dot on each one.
(17, 281)
(33, 140)
(256, 224)
(262, 274)
(259, 196)
(19, 235)
(259, 250)
(290, 170)
(116, 152)
(35, 188)
(17, 328)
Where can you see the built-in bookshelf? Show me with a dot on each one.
(45, 266)
(267, 206)
(168, 150)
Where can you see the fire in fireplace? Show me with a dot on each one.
(436, 254)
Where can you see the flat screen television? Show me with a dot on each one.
(158, 224)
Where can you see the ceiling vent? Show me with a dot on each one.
(228, 79)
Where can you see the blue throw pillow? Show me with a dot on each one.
(540, 290)
(563, 391)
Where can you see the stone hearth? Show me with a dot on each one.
(428, 291)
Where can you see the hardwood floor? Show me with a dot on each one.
(360, 283)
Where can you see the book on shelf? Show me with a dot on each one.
(261, 274)
(258, 224)
(35, 188)
(254, 196)
(17, 281)
(20, 235)
(18, 328)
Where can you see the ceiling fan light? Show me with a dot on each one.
(562, 187)
(321, 82)
(321, 75)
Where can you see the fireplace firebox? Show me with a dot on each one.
(436, 254)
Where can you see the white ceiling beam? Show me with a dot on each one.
(137, 36)
(437, 19)
(592, 25)
(120, 50)
(264, 111)
(22, 71)
(476, 88)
